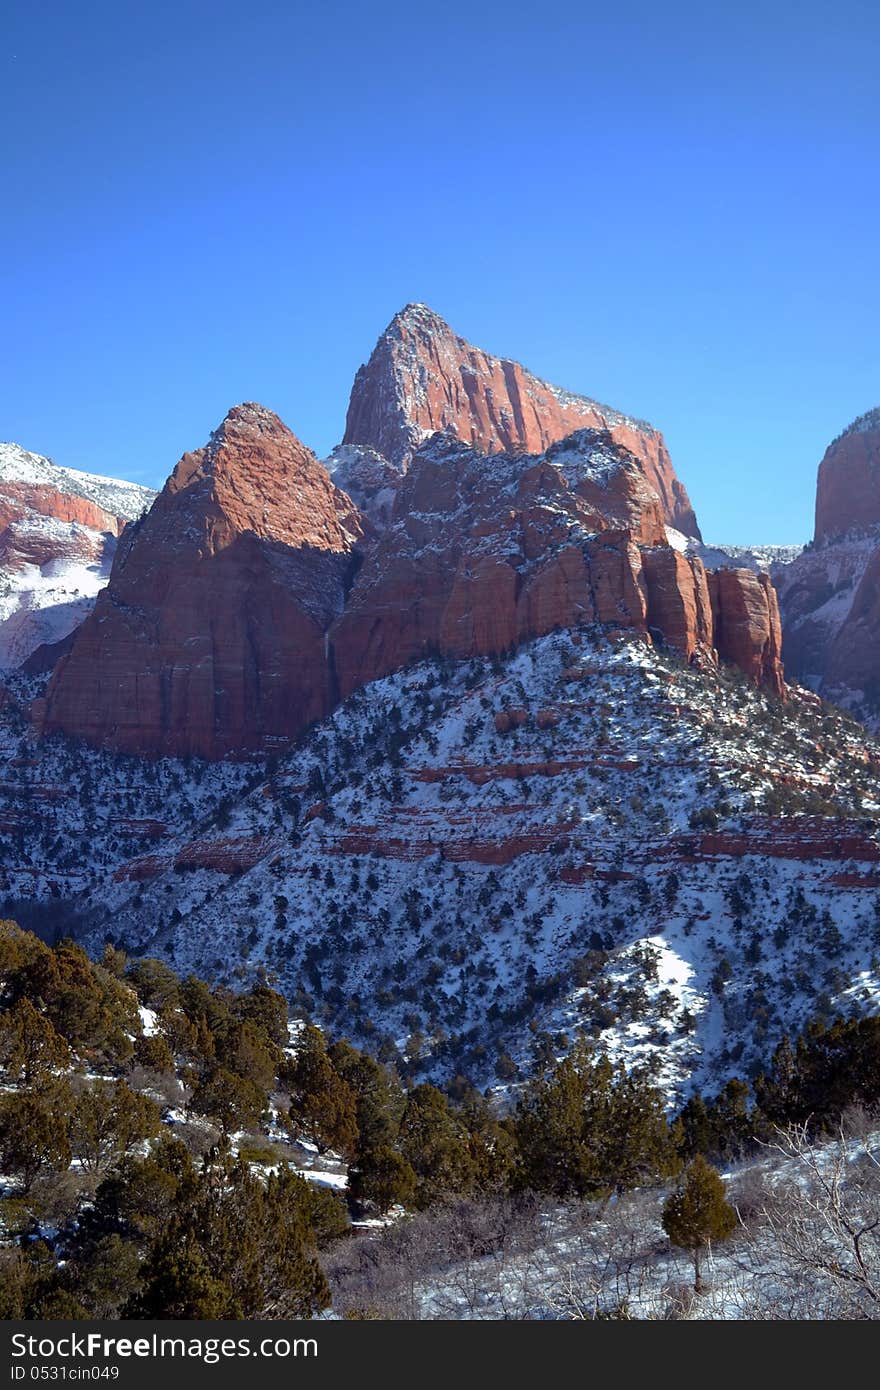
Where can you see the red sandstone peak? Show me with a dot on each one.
(210, 636)
(848, 489)
(262, 479)
(422, 378)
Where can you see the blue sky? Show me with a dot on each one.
(672, 208)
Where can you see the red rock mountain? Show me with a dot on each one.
(255, 595)
(210, 636)
(422, 378)
(487, 551)
(829, 594)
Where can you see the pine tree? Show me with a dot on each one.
(698, 1213)
(33, 1134)
(435, 1144)
(589, 1128)
(230, 1100)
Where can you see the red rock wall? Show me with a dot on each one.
(19, 500)
(848, 486)
(747, 627)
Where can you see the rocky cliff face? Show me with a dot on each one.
(228, 624)
(370, 480)
(828, 594)
(487, 551)
(422, 378)
(210, 636)
(746, 624)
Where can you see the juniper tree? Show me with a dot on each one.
(322, 1104)
(698, 1212)
(29, 1044)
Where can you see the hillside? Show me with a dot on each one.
(174, 1150)
(468, 862)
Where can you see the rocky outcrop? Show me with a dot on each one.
(488, 551)
(423, 378)
(255, 594)
(20, 501)
(210, 636)
(679, 606)
(746, 625)
(370, 480)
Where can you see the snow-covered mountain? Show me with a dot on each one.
(115, 496)
(58, 532)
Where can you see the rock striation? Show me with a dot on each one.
(256, 593)
(58, 533)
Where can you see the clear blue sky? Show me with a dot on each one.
(674, 208)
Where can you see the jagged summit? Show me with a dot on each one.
(250, 416)
(417, 315)
(422, 378)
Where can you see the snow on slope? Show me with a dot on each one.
(43, 604)
(661, 857)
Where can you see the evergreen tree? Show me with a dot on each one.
(107, 1121)
(29, 1044)
(435, 1144)
(234, 1248)
(231, 1101)
(33, 1134)
(698, 1213)
(322, 1104)
(383, 1178)
(588, 1128)
(153, 1053)
(378, 1095)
